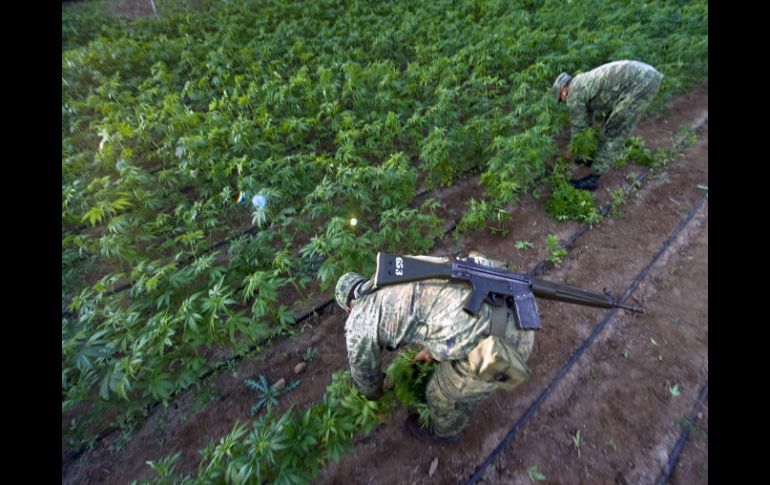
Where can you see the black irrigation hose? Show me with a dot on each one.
(477, 474)
(683, 436)
(213, 247)
(83, 227)
(184, 262)
(603, 210)
(320, 307)
(108, 431)
(217, 245)
(74, 455)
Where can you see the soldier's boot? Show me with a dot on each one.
(426, 435)
(589, 182)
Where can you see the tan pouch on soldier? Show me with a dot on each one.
(493, 360)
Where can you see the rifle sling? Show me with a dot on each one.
(498, 316)
(499, 320)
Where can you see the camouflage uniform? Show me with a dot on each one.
(428, 313)
(617, 93)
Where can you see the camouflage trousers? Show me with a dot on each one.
(454, 391)
(621, 121)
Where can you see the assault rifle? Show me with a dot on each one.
(493, 285)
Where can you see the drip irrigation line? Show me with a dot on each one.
(477, 474)
(319, 308)
(322, 306)
(603, 211)
(75, 454)
(213, 247)
(108, 431)
(702, 396)
(189, 259)
(84, 227)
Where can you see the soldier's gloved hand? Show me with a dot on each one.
(423, 356)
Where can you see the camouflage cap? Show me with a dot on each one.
(345, 286)
(561, 80)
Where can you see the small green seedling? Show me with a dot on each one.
(310, 354)
(535, 475)
(121, 441)
(576, 440)
(568, 203)
(687, 135)
(618, 197)
(165, 467)
(523, 245)
(611, 443)
(674, 391)
(555, 251)
(626, 353)
(268, 395)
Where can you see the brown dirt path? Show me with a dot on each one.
(628, 418)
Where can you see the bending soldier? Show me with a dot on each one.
(477, 355)
(618, 94)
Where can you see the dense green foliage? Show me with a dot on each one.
(584, 144)
(289, 448)
(638, 153)
(293, 447)
(333, 110)
(568, 203)
(565, 201)
(409, 380)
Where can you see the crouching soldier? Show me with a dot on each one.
(617, 94)
(476, 355)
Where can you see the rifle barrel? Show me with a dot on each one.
(570, 294)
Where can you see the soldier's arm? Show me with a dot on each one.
(364, 354)
(578, 112)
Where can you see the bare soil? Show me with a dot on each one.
(627, 415)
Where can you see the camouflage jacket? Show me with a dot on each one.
(596, 92)
(427, 312)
